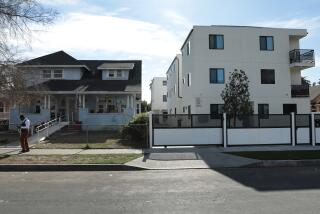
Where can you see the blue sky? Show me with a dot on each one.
(154, 30)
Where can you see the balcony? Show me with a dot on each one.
(299, 90)
(302, 58)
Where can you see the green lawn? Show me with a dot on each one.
(279, 155)
(94, 140)
(68, 159)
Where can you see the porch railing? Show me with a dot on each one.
(301, 56)
(299, 90)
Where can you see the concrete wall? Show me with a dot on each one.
(96, 121)
(157, 92)
(174, 87)
(241, 51)
(188, 136)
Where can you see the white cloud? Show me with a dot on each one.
(309, 23)
(177, 19)
(108, 37)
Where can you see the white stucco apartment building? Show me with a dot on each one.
(271, 58)
(158, 87)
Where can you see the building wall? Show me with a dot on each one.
(174, 86)
(241, 51)
(157, 91)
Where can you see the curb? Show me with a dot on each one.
(67, 167)
(286, 163)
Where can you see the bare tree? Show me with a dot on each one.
(16, 19)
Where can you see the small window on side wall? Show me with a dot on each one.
(266, 43)
(164, 98)
(217, 75)
(263, 111)
(216, 41)
(267, 76)
(188, 48)
(216, 110)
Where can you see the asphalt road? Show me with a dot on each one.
(272, 190)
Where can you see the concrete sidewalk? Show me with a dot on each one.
(13, 151)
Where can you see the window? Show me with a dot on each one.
(164, 83)
(57, 74)
(119, 73)
(183, 80)
(263, 110)
(217, 75)
(111, 73)
(267, 76)
(266, 43)
(1, 107)
(188, 48)
(288, 108)
(216, 41)
(46, 74)
(175, 88)
(164, 98)
(189, 79)
(216, 110)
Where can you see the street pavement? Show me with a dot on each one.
(243, 190)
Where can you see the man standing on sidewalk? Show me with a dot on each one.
(24, 133)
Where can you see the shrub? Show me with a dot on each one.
(137, 128)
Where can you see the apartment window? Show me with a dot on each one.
(1, 107)
(111, 74)
(57, 74)
(263, 110)
(164, 98)
(216, 41)
(119, 73)
(267, 76)
(164, 83)
(189, 79)
(217, 75)
(288, 108)
(266, 43)
(188, 48)
(46, 74)
(216, 110)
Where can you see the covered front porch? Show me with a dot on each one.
(94, 108)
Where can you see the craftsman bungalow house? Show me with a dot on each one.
(99, 92)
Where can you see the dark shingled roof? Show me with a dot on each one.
(91, 79)
(90, 85)
(57, 58)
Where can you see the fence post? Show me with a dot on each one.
(293, 129)
(224, 128)
(150, 130)
(313, 129)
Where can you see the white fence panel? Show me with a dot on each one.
(303, 136)
(187, 136)
(317, 135)
(258, 136)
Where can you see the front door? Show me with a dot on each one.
(288, 108)
(72, 110)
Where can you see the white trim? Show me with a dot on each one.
(54, 66)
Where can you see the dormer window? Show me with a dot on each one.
(111, 74)
(46, 74)
(119, 73)
(57, 74)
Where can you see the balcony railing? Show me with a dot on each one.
(299, 90)
(301, 56)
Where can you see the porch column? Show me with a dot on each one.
(128, 101)
(45, 102)
(134, 104)
(49, 102)
(83, 101)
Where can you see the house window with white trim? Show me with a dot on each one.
(46, 74)
(57, 74)
(111, 74)
(119, 73)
